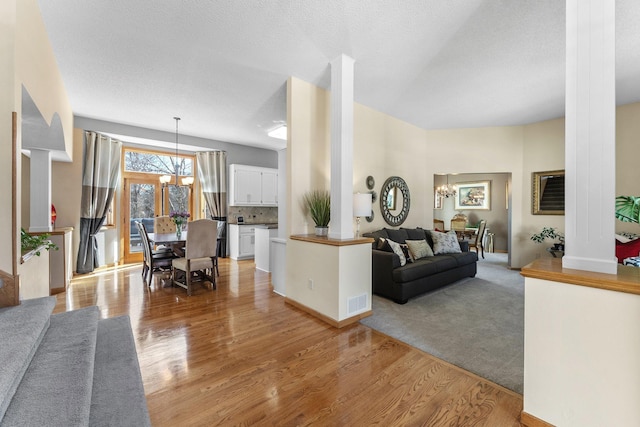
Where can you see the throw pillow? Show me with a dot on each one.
(407, 252)
(419, 249)
(383, 245)
(445, 243)
(398, 251)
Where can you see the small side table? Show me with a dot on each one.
(556, 253)
(632, 261)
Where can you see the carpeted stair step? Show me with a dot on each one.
(56, 388)
(118, 395)
(22, 328)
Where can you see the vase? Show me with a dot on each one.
(322, 231)
(179, 231)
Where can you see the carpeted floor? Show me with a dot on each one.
(475, 323)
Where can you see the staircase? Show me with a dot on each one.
(68, 369)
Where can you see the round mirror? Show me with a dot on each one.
(395, 201)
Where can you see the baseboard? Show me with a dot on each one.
(528, 420)
(54, 291)
(327, 319)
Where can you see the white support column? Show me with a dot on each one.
(590, 136)
(40, 199)
(341, 226)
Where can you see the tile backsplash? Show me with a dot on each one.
(252, 215)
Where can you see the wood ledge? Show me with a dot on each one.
(324, 240)
(529, 420)
(627, 279)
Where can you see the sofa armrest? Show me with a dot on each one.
(464, 245)
(382, 265)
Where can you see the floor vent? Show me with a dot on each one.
(356, 304)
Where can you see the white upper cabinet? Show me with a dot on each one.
(252, 186)
(270, 187)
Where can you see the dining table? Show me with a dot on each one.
(176, 243)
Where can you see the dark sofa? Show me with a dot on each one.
(399, 283)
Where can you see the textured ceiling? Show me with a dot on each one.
(222, 65)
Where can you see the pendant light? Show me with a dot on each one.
(177, 166)
(448, 190)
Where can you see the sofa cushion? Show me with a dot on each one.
(423, 268)
(415, 233)
(419, 248)
(398, 236)
(445, 243)
(464, 258)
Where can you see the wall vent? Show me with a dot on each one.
(356, 304)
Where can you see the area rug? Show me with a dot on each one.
(475, 323)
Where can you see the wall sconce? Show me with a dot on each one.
(361, 207)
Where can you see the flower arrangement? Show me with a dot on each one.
(179, 218)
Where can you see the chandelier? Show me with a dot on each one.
(447, 190)
(165, 179)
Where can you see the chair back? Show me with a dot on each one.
(458, 224)
(481, 227)
(163, 225)
(146, 245)
(202, 239)
(438, 224)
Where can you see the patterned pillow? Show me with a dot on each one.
(419, 249)
(398, 251)
(445, 243)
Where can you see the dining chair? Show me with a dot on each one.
(458, 225)
(152, 261)
(478, 243)
(200, 255)
(163, 225)
(438, 224)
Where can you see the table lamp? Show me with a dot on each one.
(361, 207)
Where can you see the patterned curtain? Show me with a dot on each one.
(212, 172)
(99, 180)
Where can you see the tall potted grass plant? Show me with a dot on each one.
(318, 203)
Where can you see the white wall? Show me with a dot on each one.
(26, 59)
(582, 347)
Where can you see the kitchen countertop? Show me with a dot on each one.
(267, 226)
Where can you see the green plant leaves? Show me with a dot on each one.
(319, 204)
(628, 208)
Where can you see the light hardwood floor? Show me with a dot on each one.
(239, 355)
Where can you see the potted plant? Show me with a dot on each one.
(318, 203)
(550, 233)
(29, 242)
(628, 208)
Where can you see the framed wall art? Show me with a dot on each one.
(473, 195)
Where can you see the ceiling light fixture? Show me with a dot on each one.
(447, 190)
(279, 132)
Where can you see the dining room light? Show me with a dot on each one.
(447, 190)
(187, 180)
(164, 179)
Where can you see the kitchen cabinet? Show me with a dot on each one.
(252, 186)
(242, 241)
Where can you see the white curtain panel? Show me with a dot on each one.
(212, 173)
